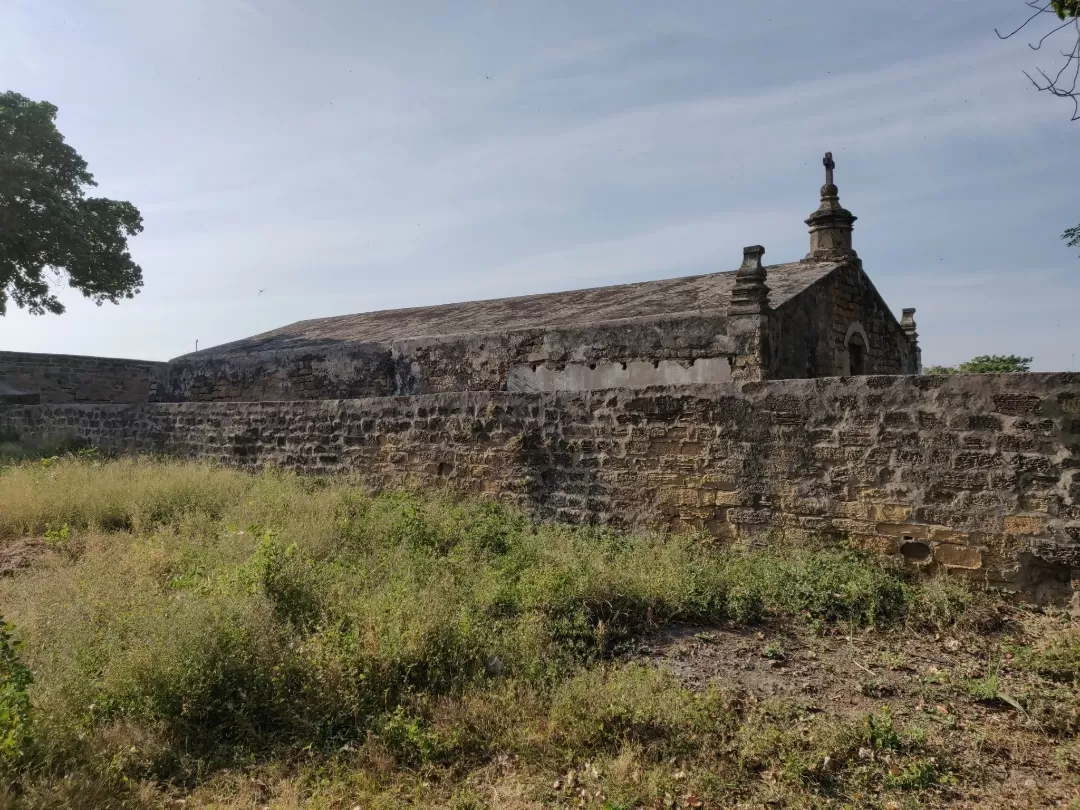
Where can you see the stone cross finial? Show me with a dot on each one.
(830, 225)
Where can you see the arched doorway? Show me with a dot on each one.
(856, 349)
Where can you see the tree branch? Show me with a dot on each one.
(1024, 24)
(1065, 24)
(1055, 85)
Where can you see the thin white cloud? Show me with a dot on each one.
(711, 244)
(345, 176)
(874, 112)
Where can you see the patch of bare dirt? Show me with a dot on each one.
(850, 671)
(20, 553)
(926, 679)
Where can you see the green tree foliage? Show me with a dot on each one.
(1065, 8)
(1073, 236)
(49, 229)
(986, 364)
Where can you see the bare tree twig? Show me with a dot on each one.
(1024, 24)
(1065, 24)
(1055, 85)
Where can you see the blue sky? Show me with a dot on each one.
(349, 156)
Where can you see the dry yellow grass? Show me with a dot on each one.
(230, 640)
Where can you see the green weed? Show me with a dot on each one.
(209, 622)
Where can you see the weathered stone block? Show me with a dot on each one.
(1016, 404)
(850, 438)
(1024, 524)
(1043, 427)
(939, 534)
(952, 555)
(897, 419)
(983, 422)
(730, 498)
(888, 512)
(929, 419)
(911, 530)
(881, 544)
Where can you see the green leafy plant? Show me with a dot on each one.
(774, 651)
(988, 687)
(287, 579)
(879, 730)
(409, 737)
(1072, 235)
(215, 625)
(57, 535)
(1065, 8)
(15, 680)
(918, 774)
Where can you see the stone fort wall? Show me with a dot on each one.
(976, 473)
(58, 378)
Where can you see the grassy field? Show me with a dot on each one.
(180, 635)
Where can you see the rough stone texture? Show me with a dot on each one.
(806, 312)
(10, 395)
(476, 345)
(750, 293)
(976, 473)
(809, 330)
(484, 362)
(328, 371)
(479, 361)
(56, 378)
(634, 374)
(690, 295)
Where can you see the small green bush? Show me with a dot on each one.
(15, 681)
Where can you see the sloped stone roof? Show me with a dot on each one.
(705, 294)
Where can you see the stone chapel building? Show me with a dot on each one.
(817, 317)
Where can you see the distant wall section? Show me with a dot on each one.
(62, 378)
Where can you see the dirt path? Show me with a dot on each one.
(1009, 754)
